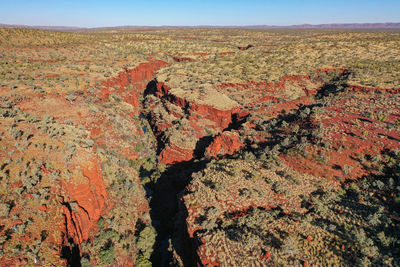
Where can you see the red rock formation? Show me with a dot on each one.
(137, 77)
(212, 119)
(89, 200)
(173, 154)
(227, 143)
(289, 93)
(222, 117)
(74, 204)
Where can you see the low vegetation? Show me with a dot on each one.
(173, 146)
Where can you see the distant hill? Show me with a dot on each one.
(388, 25)
(50, 28)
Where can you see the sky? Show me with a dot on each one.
(100, 13)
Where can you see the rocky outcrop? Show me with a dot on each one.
(172, 153)
(182, 122)
(85, 203)
(137, 78)
(226, 143)
(222, 117)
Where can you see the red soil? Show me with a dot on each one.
(351, 135)
(226, 53)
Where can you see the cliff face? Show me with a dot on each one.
(130, 83)
(85, 203)
(182, 124)
(66, 172)
(227, 143)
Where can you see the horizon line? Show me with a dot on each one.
(397, 24)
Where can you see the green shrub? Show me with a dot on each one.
(142, 262)
(146, 241)
(107, 255)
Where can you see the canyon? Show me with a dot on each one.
(169, 157)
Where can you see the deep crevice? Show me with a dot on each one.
(168, 211)
(236, 122)
(70, 251)
(168, 214)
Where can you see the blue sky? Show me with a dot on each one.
(90, 13)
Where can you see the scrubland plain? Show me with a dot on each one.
(199, 147)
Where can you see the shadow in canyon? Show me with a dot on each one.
(169, 214)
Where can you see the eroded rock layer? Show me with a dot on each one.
(57, 155)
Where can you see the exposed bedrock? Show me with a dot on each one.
(75, 179)
(183, 123)
(188, 123)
